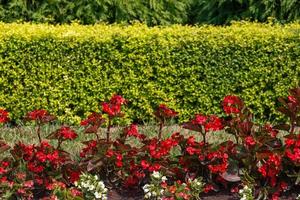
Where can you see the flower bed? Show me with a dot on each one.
(257, 164)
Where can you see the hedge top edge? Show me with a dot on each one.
(105, 31)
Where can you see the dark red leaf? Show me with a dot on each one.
(284, 127)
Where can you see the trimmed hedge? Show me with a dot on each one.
(69, 69)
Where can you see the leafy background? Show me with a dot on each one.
(150, 12)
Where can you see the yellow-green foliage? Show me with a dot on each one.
(69, 69)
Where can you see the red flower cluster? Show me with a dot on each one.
(113, 107)
(219, 161)
(249, 141)
(41, 163)
(118, 157)
(272, 132)
(132, 130)
(210, 123)
(208, 188)
(232, 104)
(163, 112)
(66, 133)
(199, 119)
(145, 165)
(213, 124)
(292, 151)
(39, 115)
(3, 116)
(94, 119)
(136, 172)
(39, 157)
(90, 149)
(195, 148)
(3, 167)
(271, 168)
(158, 149)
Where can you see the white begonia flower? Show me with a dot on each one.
(162, 191)
(97, 195)
(146, 186)
(96, 177)
(243, 198)
(154, 193)
(91, 187)
(101, 184)
(156, 174)
(85, 185)
(164, 178)
(147, 195)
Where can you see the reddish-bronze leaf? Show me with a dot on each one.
(91, 129)
(192, 127)
(284, 127)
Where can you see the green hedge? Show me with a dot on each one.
(69, 69)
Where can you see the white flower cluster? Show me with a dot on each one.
(246, 193)
(92, 187)
(196, 185)
(298, 197)
(154, 190)
(158, 176)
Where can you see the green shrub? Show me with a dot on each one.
(69, 69)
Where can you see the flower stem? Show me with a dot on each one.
(161, 124)
(39, 132)
(58, 145)
(204, 137)
(108, 130)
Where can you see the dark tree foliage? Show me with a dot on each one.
(224, 11)
(151, 12)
